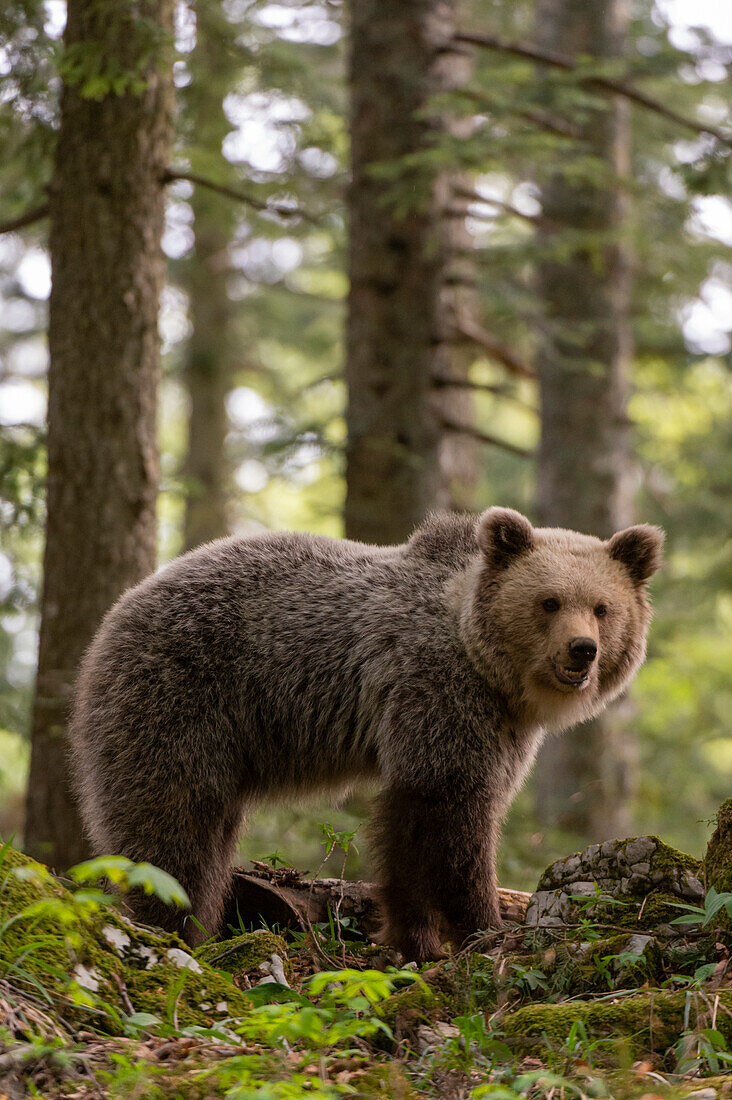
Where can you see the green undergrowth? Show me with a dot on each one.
(643, 1022)
(92, 1004)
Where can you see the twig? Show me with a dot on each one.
(441, 382)
(484, 437)
(29, 218)
(175, 1008)
(605, 83)
(540, 117)
(124, 996)
(553, 124)
(172, 174)
(506, 207)
(472, 331)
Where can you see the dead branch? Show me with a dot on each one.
(607, 84)
(552, 123)
(545, 120)
(262, 207)
(505, 207)
(470, 330)
(486, 437)
(29, 218)
(441, 382)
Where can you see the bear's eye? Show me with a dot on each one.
(551, 604)
(600, 611)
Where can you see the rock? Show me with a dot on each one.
(637, 944)
(116, 938)
(183, 960)
(584, 889)
(275, 970)
(691, 887)
(640, 850)
(434, 1035)
(622, 870)
(89, 979)
(571, 865)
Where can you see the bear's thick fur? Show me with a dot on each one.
(265, 667)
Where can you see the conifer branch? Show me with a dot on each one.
(505, 207)
(552, 123)
(606, 84)
(485, 437)
(540, 117)
(29, 218)
(442, 382)
(470, 330)
(262, 207)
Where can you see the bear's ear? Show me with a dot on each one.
(504, 534)
(639, 549)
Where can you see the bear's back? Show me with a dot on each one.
(294, 639)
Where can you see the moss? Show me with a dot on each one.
(658, 908)
(718, 860)
(645, 1022)
(418, 1003)
(84, 954)
(384, 1082)
(667, 858)
(244, 953)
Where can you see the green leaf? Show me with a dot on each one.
(274, 993)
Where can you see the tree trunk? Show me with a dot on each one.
(207, 377)
(106, 223)
(209, 357)
(583, 360)
(397, 327)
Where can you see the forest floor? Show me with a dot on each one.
(617, 982)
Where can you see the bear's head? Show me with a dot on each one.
(558, 620)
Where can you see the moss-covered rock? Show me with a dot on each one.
(244, 954)
(84, 954)
(642, 1023)
(418, 1003)
(599, 966)
(613, 881)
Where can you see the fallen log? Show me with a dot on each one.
(287, 899)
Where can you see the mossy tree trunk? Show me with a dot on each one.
(585, 777)
(398, 318)
(106, 223)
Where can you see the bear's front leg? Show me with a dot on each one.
(436, 850)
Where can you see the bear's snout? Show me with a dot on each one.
(583, 650)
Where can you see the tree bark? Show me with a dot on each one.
(209, 356)
(397, 326)
(585, 347)
(106, 208)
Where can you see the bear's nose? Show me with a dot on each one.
(583, 649)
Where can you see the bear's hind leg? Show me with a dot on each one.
(196, 849)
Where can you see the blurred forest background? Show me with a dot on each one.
(418, 254)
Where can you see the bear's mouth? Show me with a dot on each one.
(572, 677)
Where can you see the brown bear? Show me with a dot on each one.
(264, 667)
